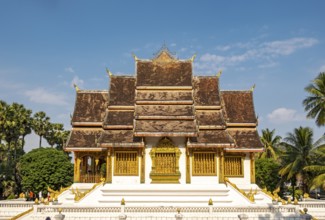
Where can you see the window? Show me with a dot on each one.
(234, 166)
(126, 163)
(204, 164)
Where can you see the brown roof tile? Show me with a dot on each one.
(119, 118)
(90, 106)
(118, 136)
(86, 138)
(122, 91)
(164, 110)
(246, 139)
(239, 106)
(175, 126)
(214, 136)
(206, 90)
(210, 118)
(163, 95)
(173, 73)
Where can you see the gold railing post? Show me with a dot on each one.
(252, 157)
(221, 167)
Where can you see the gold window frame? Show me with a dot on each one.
(226, 171)
(194, 173)
(128, 173)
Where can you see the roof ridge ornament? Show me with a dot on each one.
(164, 54)
(219, 74)
(253, 87)
(193, 58)
(109, 73)
(76, 87)
(135, 57)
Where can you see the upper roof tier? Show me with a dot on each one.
(89, 108)
(164, 70)
(239, 106)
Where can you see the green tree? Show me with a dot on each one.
(56, 135)
(299, 153)
(41, 125)
(270, 144)
(315, 102)
(45, 167)
(267, 173)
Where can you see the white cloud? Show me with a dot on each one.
(283, 115)
(253, 51)
(287, 47)
(69, 70)
(322, 68)
(40, 95)
(77, 81)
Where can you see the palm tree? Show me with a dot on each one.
(41, 125)
(299, 153)
(315, 103)
(270, 144)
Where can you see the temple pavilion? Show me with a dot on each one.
(164, 125)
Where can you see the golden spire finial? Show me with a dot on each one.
(135, 57)
(110, 74)
(76, 87)
(219, 73)
(193, 58)
(253, 87)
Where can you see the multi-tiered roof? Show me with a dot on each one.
(164, 99)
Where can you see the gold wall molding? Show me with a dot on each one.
(252, 167)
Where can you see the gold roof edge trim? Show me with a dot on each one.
(208, 107)
(169, 134)
(244, 149)
(172, 102)
(164, 87)
(122, 107)
(80, 149)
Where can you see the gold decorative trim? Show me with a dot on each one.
(249, 196)
(79, 195)
(208, 107)
(165, 162)
(21, 214)
(177, 102)
(164, 88)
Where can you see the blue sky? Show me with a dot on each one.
(47, 45)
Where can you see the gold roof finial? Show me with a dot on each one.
(110, 74)
(135, 57)
(193, 58)
(76, 87)
(253, 87)
(219, 73)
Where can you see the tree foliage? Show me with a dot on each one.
(315, 102)
(270, 144)
(45, 167)
(267, 173)
(300, 152)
